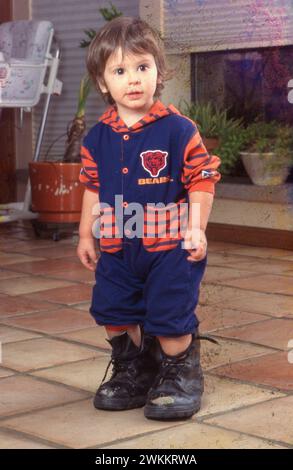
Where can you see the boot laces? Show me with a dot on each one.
(172, 365)
(118, 366)
(170, 368)
(207, 338)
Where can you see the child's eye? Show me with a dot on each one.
(143, 67)
(119, 71)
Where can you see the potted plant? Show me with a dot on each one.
(267, 152)
(56, 191)
(220, 134)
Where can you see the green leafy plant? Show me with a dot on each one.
(108, 14)
(274, 137)
(213, 122)
(229, 149)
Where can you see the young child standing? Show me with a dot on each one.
(147, 286)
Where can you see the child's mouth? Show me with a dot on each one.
(134, 95)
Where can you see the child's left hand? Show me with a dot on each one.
(199, 252)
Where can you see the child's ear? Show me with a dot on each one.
(102, 86)
(159, 80)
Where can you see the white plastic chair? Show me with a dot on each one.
(28, 69)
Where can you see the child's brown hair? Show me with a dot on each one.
(132, 35)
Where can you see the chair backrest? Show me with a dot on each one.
(25, 54)
(29, 40)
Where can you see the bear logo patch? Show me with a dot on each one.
(154, 161)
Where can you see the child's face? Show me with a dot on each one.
(131, 80)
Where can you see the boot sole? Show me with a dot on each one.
(165, 414)
(101, 403)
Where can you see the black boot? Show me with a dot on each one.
(133, 373)
(178, 388)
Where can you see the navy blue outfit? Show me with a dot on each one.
(147, 280)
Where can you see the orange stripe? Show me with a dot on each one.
(84, 151)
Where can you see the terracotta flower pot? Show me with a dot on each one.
(56, 191)
(211, 143)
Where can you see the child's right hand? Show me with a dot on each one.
(86, 251)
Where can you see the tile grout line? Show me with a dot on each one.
(55, 337)
(22, 414)
(255, 436)
(257, 385)
(243, 289)
(26, 435)
(203, 419)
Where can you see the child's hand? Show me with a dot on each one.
(198, 252)
(86, 251)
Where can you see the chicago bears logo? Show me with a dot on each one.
(154, 161)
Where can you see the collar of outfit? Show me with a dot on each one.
(157, 111)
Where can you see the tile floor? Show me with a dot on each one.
(53, 355)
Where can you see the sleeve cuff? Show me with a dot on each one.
(207, 187)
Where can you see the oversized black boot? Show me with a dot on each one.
(178, 388)
(133, 373)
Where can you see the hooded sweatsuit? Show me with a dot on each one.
(147, 279)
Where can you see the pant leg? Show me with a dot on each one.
(118, 293)
(171, 293)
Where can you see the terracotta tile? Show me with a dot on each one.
(30, 284)
(274, 266)
(211, 294)
(273, 370)
(227, 259)
(223, 246)
(78, 274)
(288, 273)
(4, 274)
(46, 267)
(264, 283)
(274, 333)
(228, 352)
(20, 305)
(215, 317)
(11, 335)
(11, 440)
(95, 336)
(5, 372)
(79, 425)
(54, 321)
(9, 258)
(22, 394)
(222, 395)
(276, 305)
(22, 236)
(84, 375)
(218, 274)
(52, 251)
(259, 252)
(25, 246)
(269, 420)
(195, 436)
(41, 353)
(83, 306)
(77, 293)
(74, 259)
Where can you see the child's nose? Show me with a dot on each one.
(133, 78)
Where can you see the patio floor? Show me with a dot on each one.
(53, 355)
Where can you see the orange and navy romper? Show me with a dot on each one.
(143, 275)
